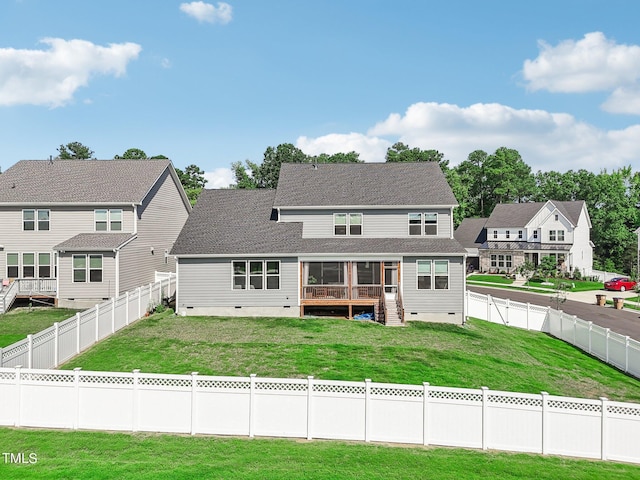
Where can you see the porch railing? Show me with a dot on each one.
(341, 292)
(28, 286)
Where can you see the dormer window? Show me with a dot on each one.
(108, 220)
(507, 234)
(495, 234)
(556, 217)
(347, 224)
(519, 234)
(535, 234)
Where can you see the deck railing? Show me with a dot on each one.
(341, 292)
(27, 286)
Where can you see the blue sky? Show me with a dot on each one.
(212, 83)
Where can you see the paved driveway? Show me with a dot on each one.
(625, 322)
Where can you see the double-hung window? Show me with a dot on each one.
(33, 220)
(87, 268)
(347, 224)
(507, 234)
(519, 234)
(552, 235)
(108, 220)
(256, 275)
(28, 265)
(432, 274)
(44, 265)
(535, 234)
(561, 235)
(423, 224)
(13, 266)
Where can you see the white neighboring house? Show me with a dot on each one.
(530, 231)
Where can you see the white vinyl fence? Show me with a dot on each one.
(618, 350)
(62, 341)
(310, 408)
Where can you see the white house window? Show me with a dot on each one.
(441, 274)
(507, 234)
(13, 266)
(260, 275)
(106, 220)
(87, 268)
(424, 274)
(35, 220)
(430, 223)
(415, 224)
(347, 224)
(495, 234)
(556, 217)
(494, 260)
(535, 234)
(561, 235)
(44, 265)
(28, 265)
(519, 234)
(552, 235)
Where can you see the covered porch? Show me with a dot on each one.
(351, 287)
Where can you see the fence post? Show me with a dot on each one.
(575, 322)
(1, 359)
(19, 395)
(78, 332)
(309, 405)
(56, 340)
(252, 388)
(626, 354)
(126, 317)
(590, 328)
(488, 308)
(545, 426)
(425, 413)
(139, 302)
(485, 420)
(606, 344)
(528, 313)
(367, 409)
(136, 401)
(97, 308)
(561, 315)
(194, 391)
(113, 315)
(604, 428)
(76, 387)
(30, 351)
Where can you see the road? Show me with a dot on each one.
(624, 322)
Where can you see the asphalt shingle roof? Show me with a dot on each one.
(80, 181)
(471, 232)
(98, 241)
(519, 214)
(363, 184)
(239, 222)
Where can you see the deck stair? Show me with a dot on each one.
(8, 294)
(391, 317)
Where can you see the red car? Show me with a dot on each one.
(620, 283)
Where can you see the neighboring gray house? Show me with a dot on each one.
(517, 232)
(337, 239)
(86, 230)
(471, 234)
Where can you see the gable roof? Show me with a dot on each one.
(520, 214)
(471, 232)
(253, 230)
(363, 184)
(81, 181)
(96, 241)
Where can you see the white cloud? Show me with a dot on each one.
(51, 77)
(206, 12)
(371, 149)
(165, 63)
(219, 178)
(591, 64)
(546, 141)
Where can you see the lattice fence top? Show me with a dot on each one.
(7, 376)
(224, 384)
(337, 388)
(277, 386)
(165, 382)
(397, 392)
(16, 349)
(575, 406)
(455, 395)
(627, 410)
(515, 400)
(107, 379)
(44, 336)
(48, 377)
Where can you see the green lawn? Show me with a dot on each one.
(500, 279)
(98, 455)
(20, 322)
(570, 285)
(479, 354)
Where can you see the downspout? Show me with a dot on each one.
(451, 223)
(117, 290)
(135, 218)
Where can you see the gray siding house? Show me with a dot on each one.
(86, 230)
(334, 239)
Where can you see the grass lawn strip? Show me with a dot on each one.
(20, 322)
(65, 454)
(478, 354)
